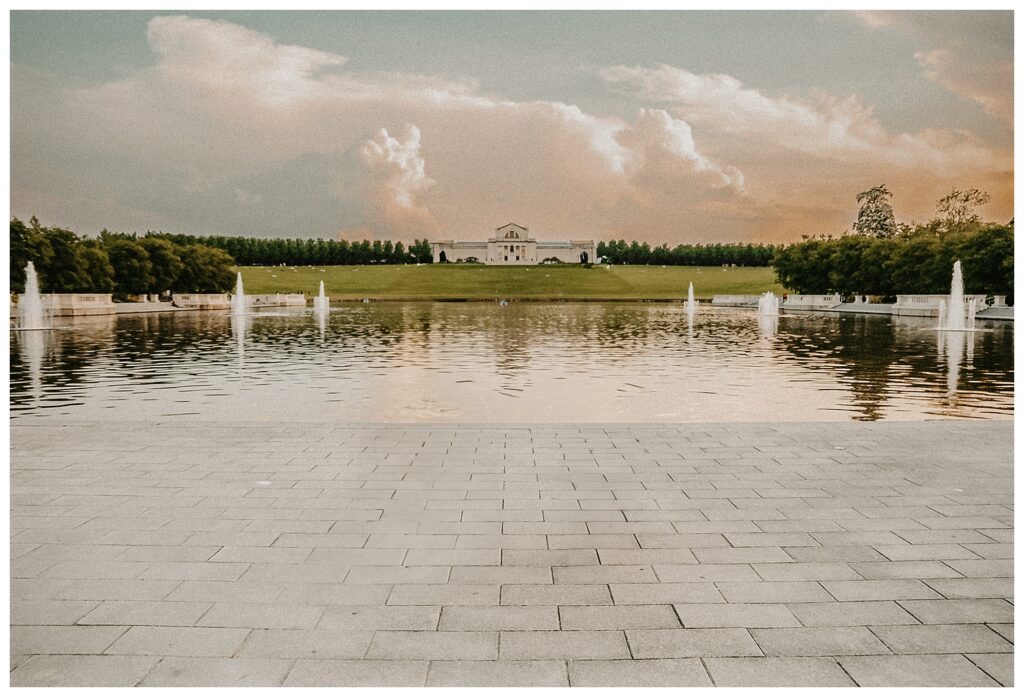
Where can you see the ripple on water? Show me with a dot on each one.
(529, 362)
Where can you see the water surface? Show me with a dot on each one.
(521, 363)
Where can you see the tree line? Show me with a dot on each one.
(618, 252)
(118, 263)
(884, 258)
(257, 251)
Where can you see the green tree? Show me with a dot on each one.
(165, 263)
(875, 217)
(205, 269)
(26, 244)
(98, 267)
(133, 272)
(64, 270)
(987, 259)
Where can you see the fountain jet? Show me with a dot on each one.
(691, 302)
(768, 305)
(31, 314)
(956, 314)
(238, 303)
(321, 303)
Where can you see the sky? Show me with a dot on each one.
(684, 126)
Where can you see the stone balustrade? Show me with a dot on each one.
(811, 302)
(77, 304)
(735, 300)
(202, 301)
(277, 300)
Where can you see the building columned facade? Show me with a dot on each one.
(513, 245)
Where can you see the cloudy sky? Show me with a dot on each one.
(665, 127)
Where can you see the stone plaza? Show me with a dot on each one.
(198, 553)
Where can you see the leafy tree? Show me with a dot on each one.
(133, 271)
(875, 217)
(987, 258)
(165, 262)
(98, 268)
(64, 269)
(27, 244)
(205, 269)
(959, 208)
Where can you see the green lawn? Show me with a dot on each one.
(459, 282)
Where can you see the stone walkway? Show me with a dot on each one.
(700, 554)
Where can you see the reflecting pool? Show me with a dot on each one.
(520, 363)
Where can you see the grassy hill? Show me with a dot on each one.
(473, 282)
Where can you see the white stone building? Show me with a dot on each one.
(513, 245)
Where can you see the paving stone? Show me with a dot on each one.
(619, 617)
(685, 643)
(29, 639)
(896, 589)
(225, 591)
(960, 611)
(356, 617)
(668, 573)
(563, 645)
(852, 614)
(658, 672)
(664, 593)
(505, 617)
(357, 673)
(141, 612)
(398, 574)
(905, 569)
(194, 571)
(740, 555)
(840, 553)
(818, 641)
(603, 574)
(915, 671)
(81, 671)
(262, 615)
(176, 671)
(557, 594)
(497, 674)
(53, 612)
(926, 552)
(973, 587)
(983, 568)
(777, 672)
(437, 646)
(179, 641)
(445, 594)
(806, 571)
(942, 638)
(1003, 630)
(736, 615)
(998, 665)
(774, 592)
(320, 643)
(500, 574)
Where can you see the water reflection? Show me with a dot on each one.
(524, 362)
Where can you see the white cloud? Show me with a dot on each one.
(825, 126)
(397, 174)
(820, 148)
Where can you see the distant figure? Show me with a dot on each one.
(443, 258)
(785, 297)
(583, 257)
